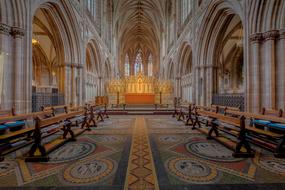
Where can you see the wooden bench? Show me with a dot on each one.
(99, 110)
(185, 113)
(7, 113)
(56, 109)
(271, 140)
(21, 135)
(59, 122)
(198, 119)
(259, 123)
(228, 130)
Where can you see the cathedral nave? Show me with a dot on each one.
(142, 94)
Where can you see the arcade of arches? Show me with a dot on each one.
(142, 54)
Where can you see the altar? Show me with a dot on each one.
(140, 99)
(140, 90)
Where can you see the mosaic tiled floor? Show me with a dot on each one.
(143, 152)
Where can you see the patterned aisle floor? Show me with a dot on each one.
(144, 153)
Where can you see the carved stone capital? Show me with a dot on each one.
(282, 34)
(79, 66)
(5, 29)
(271, 35)
(257, 37)
(17, 32)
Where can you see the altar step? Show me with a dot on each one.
(140, 112)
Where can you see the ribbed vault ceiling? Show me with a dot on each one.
(139, 25)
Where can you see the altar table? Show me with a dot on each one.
(140, 98)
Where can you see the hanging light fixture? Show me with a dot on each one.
(35, 40)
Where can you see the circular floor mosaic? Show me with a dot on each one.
(169, 138)
(6, 166)
(272, 164)
(191, 171)
(211, 151)
(110, 139)
(92, 171)
(72, 151)
(106, 122)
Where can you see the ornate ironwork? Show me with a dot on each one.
(232, 100)
(40, 99)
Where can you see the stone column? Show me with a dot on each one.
(100, 86)
(202, 85)
(19, 74)
(7, 79)
(254, 89)
(280, 68)
(195, 84)
(79, 85)
(209, 84)
(178, 87)
(73, 85)
(84, 82)
(269, 95)
(68, 83)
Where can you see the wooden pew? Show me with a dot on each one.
(7, 113)
(13, 140)
(259, 123)
(272, 140)
(60, 122)
(56, 109)
(203, 118)
(100, 111)
(185, 113)
(223, 126)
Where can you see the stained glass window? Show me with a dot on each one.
(138, 63)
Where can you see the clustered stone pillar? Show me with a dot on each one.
(19, 90)
(209, 83)
(178, 87)
(68, 83)
(266, 71)
(270, 69)
(280, 69)
(7, 80)
(79, 92)
(254, 73)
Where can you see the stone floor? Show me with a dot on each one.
(143, 152)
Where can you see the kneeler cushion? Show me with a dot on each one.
(3, 129)
(279, 126)
(15, 126)
(261, 122)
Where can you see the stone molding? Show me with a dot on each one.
(5, 29)
(282, 33)
(257, 37)
(271, 35)
(17, 32)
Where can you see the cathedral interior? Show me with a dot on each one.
(142, 94)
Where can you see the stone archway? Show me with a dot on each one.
(56, 72)
(92, 82)
(185, 72)
(221, 47)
